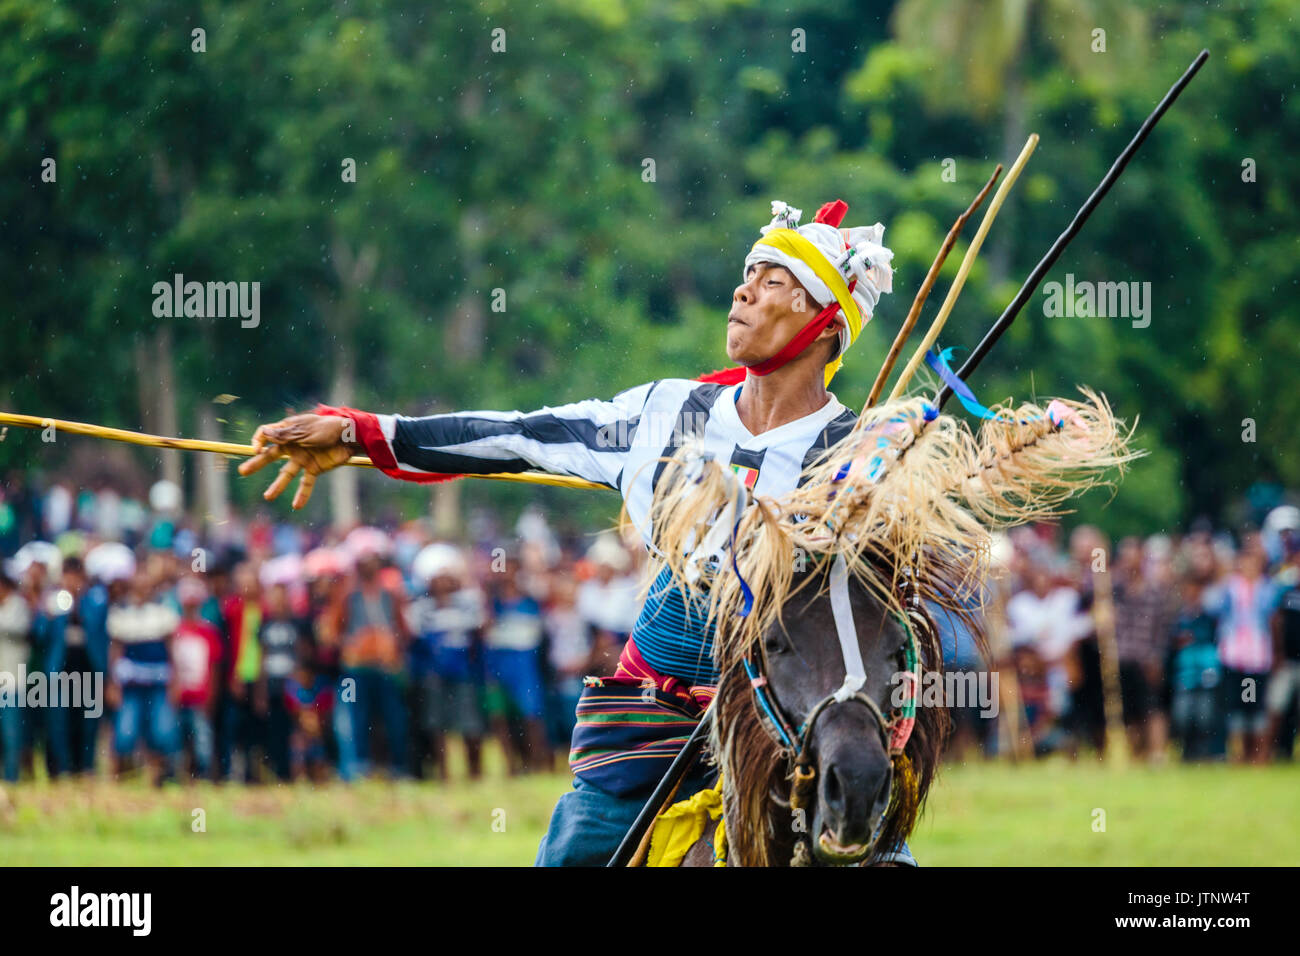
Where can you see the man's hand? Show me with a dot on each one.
(312, 443)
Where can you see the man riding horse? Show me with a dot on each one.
(768, 418)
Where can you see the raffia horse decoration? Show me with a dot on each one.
(903, 506)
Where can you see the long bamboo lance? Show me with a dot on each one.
(1045, 264)
(923, 293)
(245, 451)
(1103, 613)
(966, 263)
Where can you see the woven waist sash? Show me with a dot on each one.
(632, 724)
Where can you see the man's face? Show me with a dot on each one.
(767, 310)
(72, 580)
(368, 567)
(278, 599)
(1040, 582)
(1252, 561)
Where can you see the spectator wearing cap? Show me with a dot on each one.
(446, 623)
(1284, 684)
(327, 571)
(608, 601)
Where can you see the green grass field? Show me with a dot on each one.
(980, 814)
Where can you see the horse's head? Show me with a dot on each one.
(810, 755)
(846, 741)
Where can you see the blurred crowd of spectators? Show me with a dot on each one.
(261, 650)
(1205, 632)
(264, 651)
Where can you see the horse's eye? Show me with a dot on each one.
(775, 644)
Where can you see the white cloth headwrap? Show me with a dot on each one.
(867, 260)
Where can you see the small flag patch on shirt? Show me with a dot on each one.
(747, 475)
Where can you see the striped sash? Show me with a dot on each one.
(630, 726)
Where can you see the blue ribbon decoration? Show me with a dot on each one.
(959, 388)
(744, 586)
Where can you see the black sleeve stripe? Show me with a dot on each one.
(692, 418)
(835, 431)
(441, 431)
(441, 462)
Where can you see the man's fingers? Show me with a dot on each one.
(288, 432)
(312, 442)
(259, 461)
(262, 437)
(282, 480)
(305, 486)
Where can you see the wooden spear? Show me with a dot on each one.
(967, 262)
(1103, 615)
(244, 451)
(923, 293)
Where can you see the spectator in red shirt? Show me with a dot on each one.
(196, 663)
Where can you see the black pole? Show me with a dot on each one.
(1031, 284)
(677, 770)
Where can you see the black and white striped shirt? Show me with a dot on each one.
(618, 443)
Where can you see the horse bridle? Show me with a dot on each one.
(894, 730)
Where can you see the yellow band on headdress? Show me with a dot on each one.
(793, 244)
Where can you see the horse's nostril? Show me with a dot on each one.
(834, 790)
(882, 795)
(853, 794)
(842, 794)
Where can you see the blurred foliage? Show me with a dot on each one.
(522, 171)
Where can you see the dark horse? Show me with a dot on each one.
(850, 803)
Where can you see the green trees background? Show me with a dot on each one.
(523, 170)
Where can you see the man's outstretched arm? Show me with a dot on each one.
(587, 439)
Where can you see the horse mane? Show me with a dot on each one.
(752, 768)
(908, 498)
